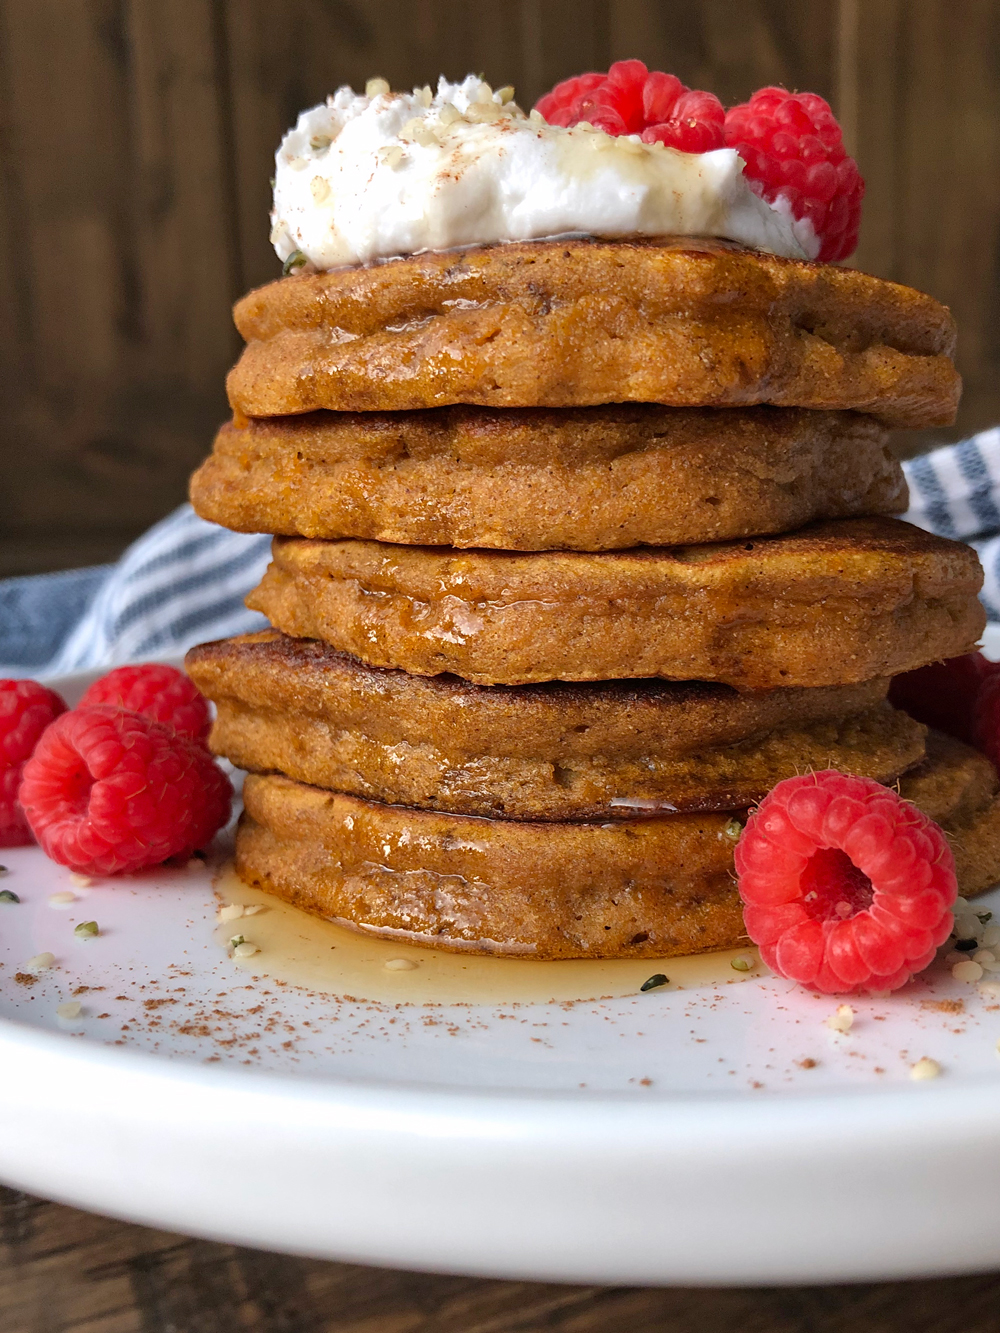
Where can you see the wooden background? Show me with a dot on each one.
(136, 142)
(62, 1271)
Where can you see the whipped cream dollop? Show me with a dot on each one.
(371, 176)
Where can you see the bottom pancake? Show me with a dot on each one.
(653, 888)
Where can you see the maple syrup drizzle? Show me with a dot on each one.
(304, 950)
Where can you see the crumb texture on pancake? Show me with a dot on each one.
(840, 602)
(959, 789)
(553, 752)
(587, 479)
(652, 888)
(685, 323)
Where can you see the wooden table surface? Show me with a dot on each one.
(64, 1271)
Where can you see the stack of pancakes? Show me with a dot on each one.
(581, 547)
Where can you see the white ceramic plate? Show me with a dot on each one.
(712, 1134)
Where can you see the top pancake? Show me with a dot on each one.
(676, 321)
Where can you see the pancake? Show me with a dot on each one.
(534, 752)
(834, 604)
(957, 786)
(585, 479)
(651, 888)
(682, 322)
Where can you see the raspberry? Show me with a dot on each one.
(845, 886)
(944, 695)
(794, 150)
(629, 99)
(26, 709)
(160, 692)
(696, 125)
(108, 792)
(557, 106)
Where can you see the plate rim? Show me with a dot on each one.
(902, 1148)
(568, 1198)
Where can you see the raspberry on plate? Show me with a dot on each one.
(108, 792)
(160, 692)
(794, 152)
(944, 695)
(26, 709)
(630, 99)
(845, 886)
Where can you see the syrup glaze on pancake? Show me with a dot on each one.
(682, 322)
(647, 888)
(834, 604)
(537, 479)
(612, 750)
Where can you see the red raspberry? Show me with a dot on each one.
(108, 792)
(631, 100)
(944, 695)
(616, 104)
(557, 106)
(160, 692)
(845, 886)
(696, 125)
(26, 709)
(793, 148)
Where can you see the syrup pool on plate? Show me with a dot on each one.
(304, 950)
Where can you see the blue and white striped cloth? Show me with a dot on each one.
(955, 492)
(184, 581)
(181, 583)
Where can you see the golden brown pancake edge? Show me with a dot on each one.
(591, 479)
(653, 888)
(836, 603)
(682, 322)
(613, 750)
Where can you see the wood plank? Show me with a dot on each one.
(41, 553)
(65, 1271)
(277, 63)
(15, 295)
(183, 194)
(877, 130)
(929, 147)
(66, 164)
(65, 219)
(138, 139)
(116, 190)
(772, 41)
(951, 192)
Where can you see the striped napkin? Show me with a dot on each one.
(184, 581)
(955, 492)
